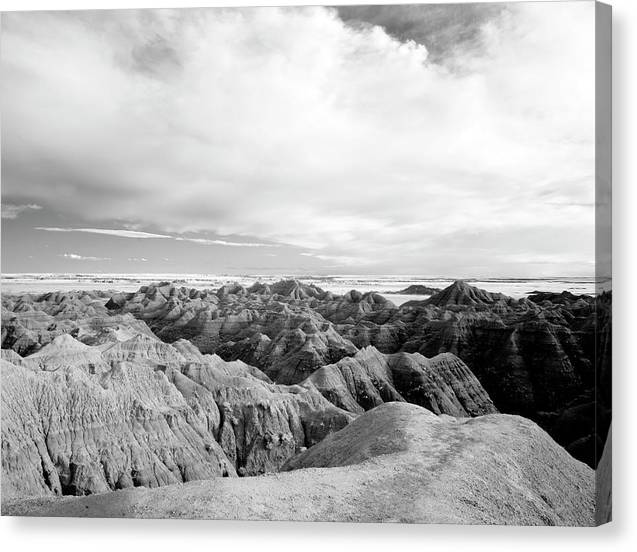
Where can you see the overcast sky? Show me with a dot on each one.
(433, 140)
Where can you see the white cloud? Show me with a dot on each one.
(148, 235)
(340, 260)
(107, 232)
(76, 257)
(10, 211)
(288, 125)
(204, 241)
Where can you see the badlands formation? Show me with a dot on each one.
(285, 401)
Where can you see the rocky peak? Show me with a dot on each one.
(294, 289)
(64, 343)
(461, 293)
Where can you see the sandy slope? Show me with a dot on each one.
(397, 462)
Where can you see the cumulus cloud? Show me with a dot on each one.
(447, 31)
(293, 126)
(76, 257)
(10, 211)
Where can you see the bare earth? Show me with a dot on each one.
(395, 463)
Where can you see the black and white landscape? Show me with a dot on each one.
(401, 409)
(322, 264)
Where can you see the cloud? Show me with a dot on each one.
(340, 260)
(107, 232)
(76, 257)
(447, 31)
(148, 235)
(10, 211)
(205, 241)
(291, 126)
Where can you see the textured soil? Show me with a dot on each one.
(396, 463)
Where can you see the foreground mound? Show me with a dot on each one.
(397, 462)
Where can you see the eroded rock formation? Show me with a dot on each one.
(443, 384)
(397, 462)
(81, 419)
(536, 357)
(546, 357)
(417, 289)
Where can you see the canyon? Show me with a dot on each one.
(105, 392)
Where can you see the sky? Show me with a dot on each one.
(440, 140)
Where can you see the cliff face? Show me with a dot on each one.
(443, 384)
(70, 432)
(261, 424)
(80, 420)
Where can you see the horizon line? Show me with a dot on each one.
(304, 275)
